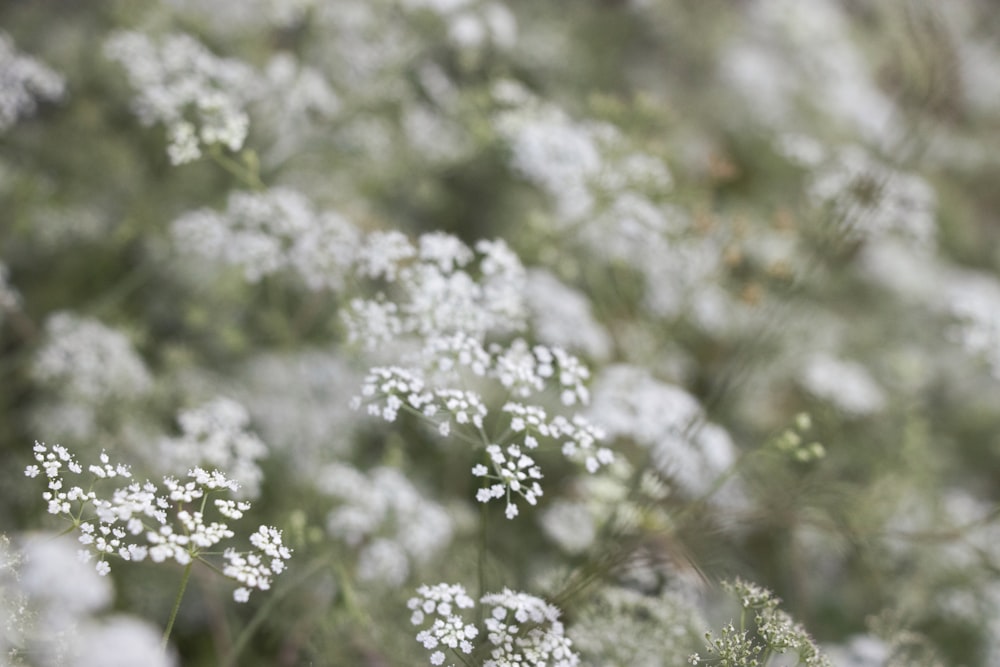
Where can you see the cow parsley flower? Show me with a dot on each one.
(197, 96)
(23, 82)
(518, 629)
(86, 360)
(662, 629)
(846, 385)
(389, 521)
(140, 520)
(263, 233)
(685, 447)
(216, 435)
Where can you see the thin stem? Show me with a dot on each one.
(177, 604)
(265, 609)
(484, 514)
(245, 173)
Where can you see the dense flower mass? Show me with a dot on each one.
(624, 318)
(519, 629)
(197, 96)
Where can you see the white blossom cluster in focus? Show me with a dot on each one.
(519, 630)
(140, 521)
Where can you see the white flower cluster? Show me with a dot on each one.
(138, 521)
(847, 385)
(521, 630)
(434, 292)
(612, 196)
(257, 568)
(792, 51)
(544, 643)
(216, 435)
(511, 470)
(974, 301)
(561, 316)
(445, 314)
(84, 359)
(660, 628)
(54, 611)
(685, 447)
(197, 96)
(577, 163)
(393, 526)
(266, 232)
(23, 81)
(299, 402)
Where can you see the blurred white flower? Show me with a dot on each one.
(85, 360)
(847, 385)
(23, 82)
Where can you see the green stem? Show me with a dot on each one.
(177, 604)
(245, 173)
(265, 609)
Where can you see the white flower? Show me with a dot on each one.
(198, 96)
(85, 360)
(23, 82)
(216, 435)
(847, 385)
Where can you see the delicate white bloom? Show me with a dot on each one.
(845, 384)
(216, 435)
(381, 254)
(299, 402)
(385, 561)
(558, 154)
(120, 641)
(791, 51)
(569, 524)
(543, 645)
(257, 568)
(629, 402)
(441, 609)
(973, 300)
(137, 522)
(513, 472)
(661, 629)
(267, 232)
(51, 599)
(86, 360)
(436, 295)
(182, 85)
(52, 573)
(561, 316)
(23, 82)
(396, 527)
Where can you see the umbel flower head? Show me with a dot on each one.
(518, 629)
(139, 521)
